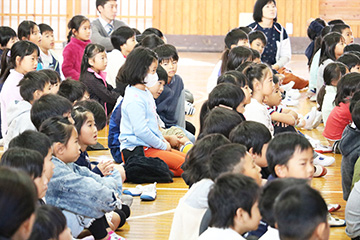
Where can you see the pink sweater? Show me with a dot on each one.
(73, 53)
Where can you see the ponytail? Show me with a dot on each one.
(74, 24)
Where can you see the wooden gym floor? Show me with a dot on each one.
(152, 220)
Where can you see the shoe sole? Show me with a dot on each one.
(128, 192)
(147, 198)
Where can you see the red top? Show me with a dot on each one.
(338, 119)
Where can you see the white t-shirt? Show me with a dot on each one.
(220, 233)
(258, 112)
(271, 234)
(115, 60)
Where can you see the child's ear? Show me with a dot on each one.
(251, 151)
(91, 61)
(74, 31)
(59, 148)
(37, 94)
(281, 171)
(23, 38)
(17, 60)
(25, 228)
(322, 231)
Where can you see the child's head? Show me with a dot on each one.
(233, 158)
(270, 192)
(301, 213)
(23, 58)
(50, 223)
(37, 141)
(157, 86)
(97, 110)
(257, 40)
(335, 22)
(168, 58)
(352, 47)
(196, 165)
(29, 30)
(229, 95)
(214, 121)
(47, 37)
(235, 38)
(123, 39)
(79, 27)
(237, 78)
(47, 106)
(265, 9)
(260, 78)
(54, 78)
(94, 57)
(85, 126)
(233, 201)
(333, 72)
(18, 200)
(29, 161)
(346, 87)
(351, 61)
(274, 99)
(345, 31)
(34, 85)
(72, 90)
(290, 155)
(7, 37)
(255, 137)
(236, 57)
(64, 138)
(107, 9)
(332, 47)
(155, 31)
(139, 63)
(151, 41)
(256, 55)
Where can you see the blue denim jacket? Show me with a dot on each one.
(78, 190)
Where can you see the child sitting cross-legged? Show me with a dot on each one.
(233, 201)
(310, 210)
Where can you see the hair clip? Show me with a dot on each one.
(9, 53)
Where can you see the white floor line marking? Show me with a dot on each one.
(152, 214)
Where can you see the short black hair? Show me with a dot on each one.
(166, 52)
(196, 165)
(224, 158)
(72, 90)
(255, 53)
(251, 134)
(31, 82)
(6, 34)
(352, 47)
(298, 211)
(152, 30)
(34, 140)
(53, 76)
(214, 121)
(47, 106)
(234, 77)
(25, 29)
(97, 109)
(349, 59)
(102, 2)
(120, 36)
(257, 34)
(226, 94)
(151, 41)
(27, 160)
(45, 28)
(233, 37)
(336, 21)
(247, 30)
(162, 74)
(229, 193)
(346, 87)
(282, 147)
(339, 28)
(49, 223)
(257, 14)
(269, 193)
(236, 57)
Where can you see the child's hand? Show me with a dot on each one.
(174, 141)
(106, 167)
(168, 146)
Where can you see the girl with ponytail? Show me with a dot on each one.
(78, 38)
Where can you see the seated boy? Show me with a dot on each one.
(32, 87)
(47, 59)
(54, 78)
(266, 204)
(233, 201)
(310, 210)
(257, 40)
(256, 137)
(48, 106)
(32, 163)
(351, 61)
(73, 90)
(123, 40)
(171, 103)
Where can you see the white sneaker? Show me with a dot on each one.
(309, 118)
(293, 94)
(324, 160)
(136, 191)
(290, 102)
(149, 192)
(323, 149)
(114, 236)
(288, 86)
(314, 142)
(335, 222)
(313, 98)
(317, 119)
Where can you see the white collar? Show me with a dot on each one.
(104, 23)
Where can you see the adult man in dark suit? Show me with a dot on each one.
(106, 23)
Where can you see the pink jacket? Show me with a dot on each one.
(73, 53)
